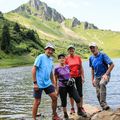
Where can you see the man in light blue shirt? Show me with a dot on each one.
(101, 67)
(43, 80)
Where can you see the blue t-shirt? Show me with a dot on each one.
(44, 67)
(100, 64)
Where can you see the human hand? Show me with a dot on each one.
(93, 83)
(36, 88)
(83, 80)
(105, 77)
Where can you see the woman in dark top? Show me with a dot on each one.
(66, 85)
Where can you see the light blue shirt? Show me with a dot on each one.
(44, 67)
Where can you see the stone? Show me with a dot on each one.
(75, 22)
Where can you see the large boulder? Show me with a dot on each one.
(107, 115)
(75, 22)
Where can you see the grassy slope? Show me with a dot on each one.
(53, 31)
(23, 50)
(47, 30)
(109, 41)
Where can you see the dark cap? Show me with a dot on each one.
(61, 55)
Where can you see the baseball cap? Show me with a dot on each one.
(61, 55)
(92, 44)
(70, 46)
(49, 45)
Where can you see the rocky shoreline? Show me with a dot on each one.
(95, 113)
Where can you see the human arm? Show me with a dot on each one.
(110, 64)
(105, 76)
(56, 85)
(92, 74)
(82, 74)
(34, 77)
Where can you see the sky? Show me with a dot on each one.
(105, 14)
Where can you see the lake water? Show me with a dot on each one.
(16, 93)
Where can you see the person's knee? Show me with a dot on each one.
(54, 98)
(37, 102)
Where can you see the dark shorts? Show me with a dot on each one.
(37, 94)
(79, 86)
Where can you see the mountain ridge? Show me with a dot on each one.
(64, 32)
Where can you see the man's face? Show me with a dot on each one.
(94, 49)
(71, 51)
(49, 51)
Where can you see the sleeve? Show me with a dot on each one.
(37, 61)
(90, 62)
(55, 71)
(107, 60)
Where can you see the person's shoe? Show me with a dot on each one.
(81, 113)
(82, 108)
(106, 107)
(66, 115)
(56, 117)
(72, 111)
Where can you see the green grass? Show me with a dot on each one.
(50, 31)
(13, 61)
(107, 40)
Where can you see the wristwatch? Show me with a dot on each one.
(35, 82)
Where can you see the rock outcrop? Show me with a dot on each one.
(95, 113)
(89, 26)
(75, 22)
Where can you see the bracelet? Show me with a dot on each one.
(35, 82)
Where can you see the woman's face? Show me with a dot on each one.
(62, 60)
(71, 51)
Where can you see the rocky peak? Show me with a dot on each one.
(41, 10)
(75, 22)
(35, 4)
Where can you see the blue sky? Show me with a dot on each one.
(105, 14)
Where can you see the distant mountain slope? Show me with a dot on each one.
(52, 26)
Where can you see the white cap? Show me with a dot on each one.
(71, 46)
(49, 45)
(92, 44)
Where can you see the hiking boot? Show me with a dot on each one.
(66, 115)
(82, 108)
(81, 113)
(72, 111)
(106, 107)
(56, 117)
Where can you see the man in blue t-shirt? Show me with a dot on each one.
(101, 67)
(43, 80)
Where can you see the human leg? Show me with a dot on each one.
(36, 103)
